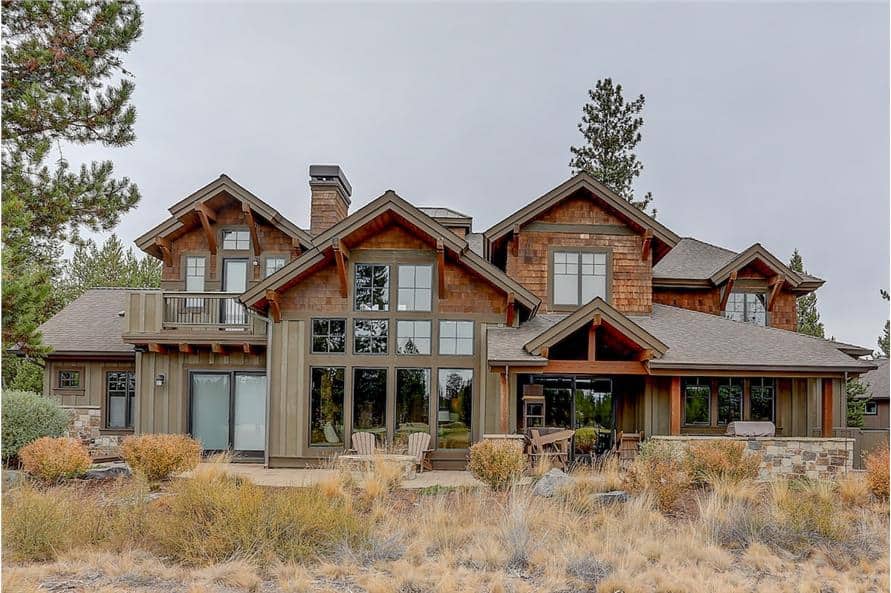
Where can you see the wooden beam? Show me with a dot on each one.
(247, 348)
(217, 348)
(728, 288)
(776, 283)
(440, 267)
(166, 251)
(503, 402)
(157, 348)
(186, 348)
(207, 211)
(511, 309)
(252, 226)
(645, 354)
(208, 231)
(647, 245)
(515, 241)
(826, 409)
(606, 367)
(275, 309)
(597, 320)
(674, 408)
(545, 351)
(341, 253)
(592, 341)
(296, 250)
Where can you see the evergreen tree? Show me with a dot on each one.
(856, 392)
(884, 340)
(808, 317)
(611, 129)
(63, 83)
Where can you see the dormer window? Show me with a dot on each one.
(748, 307)
(578, 277)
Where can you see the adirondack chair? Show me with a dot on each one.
(363, 444)
(419, 448)
(554, 447)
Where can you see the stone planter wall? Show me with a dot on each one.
(84, 424)
(790, 457)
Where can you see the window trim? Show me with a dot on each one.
(235, 229)
(185, 271)
(552, 249)
(439, 351)
(414, 287)
(347, 394)
(389, 291)
(312, 335)
(386, 351)
(387, 388)
(429, 323)
(473, 403)
(129, 405)
(70, 369)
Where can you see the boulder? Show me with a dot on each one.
(107, 472)
(549, 483)
(609, 498)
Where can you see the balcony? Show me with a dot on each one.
(204, 309)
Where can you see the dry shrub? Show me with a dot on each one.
(497, 463)
(725, 458)
(160, 456)
(853, 489)
(660, 470)
(877, 471)
(803, 514)
(53, 458)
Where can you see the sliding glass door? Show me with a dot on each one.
(582, 404)
(228, 411)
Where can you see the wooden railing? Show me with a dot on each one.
(204, 309)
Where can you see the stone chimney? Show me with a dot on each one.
(330, 197)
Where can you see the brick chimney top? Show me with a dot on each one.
(330, 202)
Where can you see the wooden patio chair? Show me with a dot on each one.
(628, 445)
(419, 448)
(363, 444)
(554, 447)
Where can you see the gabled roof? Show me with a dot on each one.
(756, 253)
(182, 213)
(90, 324)
(582, 181)
(877, 380)
(584, 315)
(389, 204)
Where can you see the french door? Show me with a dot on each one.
(228, 411)
(582, 404)
(235, 273)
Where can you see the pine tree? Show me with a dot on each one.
(856, 397)
(808, 317)
(63, 83)
(884, 340)
(611, 129)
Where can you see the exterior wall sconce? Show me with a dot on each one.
(160, 380)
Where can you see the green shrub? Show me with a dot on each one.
(28, 416)
(53, 458)
(159, 456)
(659, 469)
(723, 459)
(585, 439)
(497, 463)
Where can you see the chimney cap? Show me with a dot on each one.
(330, 174)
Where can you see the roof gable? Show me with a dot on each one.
(756, 253)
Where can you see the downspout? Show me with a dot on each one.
(269, 324)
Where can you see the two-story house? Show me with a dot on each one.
(578, 311)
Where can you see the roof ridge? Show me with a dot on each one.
(712, 245)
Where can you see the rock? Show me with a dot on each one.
(548, 484)
(108, 472)
(609, 498)
(13, 477)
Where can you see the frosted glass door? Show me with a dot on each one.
(250, 412)
(210, 410)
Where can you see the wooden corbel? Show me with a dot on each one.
(217, 348)
(247, 348)
(166, 252)
(186, 349)
(275, 309)
(341, 254)
(206, 215)
(545, 350)
(647, 245)
(728, 288)
(296, 250)
(645, 355)
(775, 284)
(515, 241)
(252, 226)
(157, 348)
(440, 267)
(511, 309)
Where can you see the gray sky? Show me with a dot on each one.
(764, 123)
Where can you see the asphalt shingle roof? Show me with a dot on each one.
(440, 212)
(90, 323)
(877, 380)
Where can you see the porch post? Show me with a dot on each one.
(674, 416)
(503, 407)
(826, 409)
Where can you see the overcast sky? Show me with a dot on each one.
(764, 123)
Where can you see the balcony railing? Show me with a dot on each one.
(204, 309)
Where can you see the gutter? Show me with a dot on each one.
(269, 324)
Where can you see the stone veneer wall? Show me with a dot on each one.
(791, 457)
(84, 424)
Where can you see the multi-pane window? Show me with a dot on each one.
(456, 337)
(415, 287)
(762, 393)
(370, 336)
(274, 263)
(697, 401)
(236, 240)
(370, 402)
(872, 408)
(69, 379)
(453, 410)
(121, 391)
(328, 335)
(746, 306)
(730, 400)
(372, 287)
(412, 403)
(195, 273)
(412, 337)
(326, 407)
(578, 277)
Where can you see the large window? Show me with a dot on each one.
(415, 287)
(456, 337)
(762, 394)
(69, 379)
(412, 337)
(370, 402)
(236, 240)
(370, 336)
(326, 407)
(372, 287)
(730, 400)
(121, 390)
(274, 263)
(697, 401)
(195, 274)
(746, 306)
(412, 403)
(578, 277)
(328, 335)
(453, 412)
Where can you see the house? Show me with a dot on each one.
(876, 414)
(578, 310)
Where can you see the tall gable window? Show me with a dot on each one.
(746, 306)
(415, 286)
(578, 277)
(372, 287)
(236, 240)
